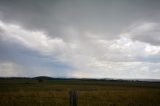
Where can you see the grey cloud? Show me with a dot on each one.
(80, 38)
(146, 32)
(22, 61)
(105, 17)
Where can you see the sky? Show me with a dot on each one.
(80, 38)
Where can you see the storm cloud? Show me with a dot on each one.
(87, 39)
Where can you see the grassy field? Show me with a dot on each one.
(33, 92)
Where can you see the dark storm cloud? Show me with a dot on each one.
(108, 17)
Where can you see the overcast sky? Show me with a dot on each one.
(80, 38)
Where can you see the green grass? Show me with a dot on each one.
(30, 92)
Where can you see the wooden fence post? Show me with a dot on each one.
(73, 98)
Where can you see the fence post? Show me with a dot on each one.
(73, 98)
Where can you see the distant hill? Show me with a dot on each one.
(85, 79)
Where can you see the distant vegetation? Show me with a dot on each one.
(55, 92)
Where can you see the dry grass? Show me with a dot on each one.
(55, 93)
(125, 97)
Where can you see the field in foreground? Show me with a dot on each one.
(34, 92)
